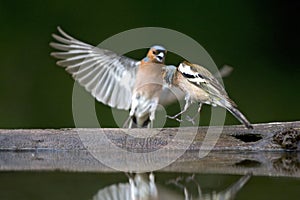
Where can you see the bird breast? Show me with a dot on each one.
(149, 80)
(195, 92)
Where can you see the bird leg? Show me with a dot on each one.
(186, 106)
(152, 113)
(192, 119)
(128, 122)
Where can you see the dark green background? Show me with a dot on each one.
(260, 39)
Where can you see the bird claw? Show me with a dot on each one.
(174, 117)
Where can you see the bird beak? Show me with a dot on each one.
(160, 56)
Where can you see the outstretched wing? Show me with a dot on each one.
(109, 77)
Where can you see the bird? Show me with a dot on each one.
(189, 183)
(115, 80)
(200, 86)
(140, 186)
(148, 87)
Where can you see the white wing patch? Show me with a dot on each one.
(186, 69)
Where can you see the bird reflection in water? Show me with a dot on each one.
(227, 194)
(143, 187)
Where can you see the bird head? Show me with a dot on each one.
(187, 68)
(156, 54)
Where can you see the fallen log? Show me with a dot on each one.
(268, 149)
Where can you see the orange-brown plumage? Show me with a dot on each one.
(195, 93)
(115, 80)
(200, 86)
(147, 88)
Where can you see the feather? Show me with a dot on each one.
(89, 64)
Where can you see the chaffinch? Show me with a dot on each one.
(115, 80)
(199, 85)
(148, 87)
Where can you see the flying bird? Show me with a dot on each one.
(200, 86)
(116, 80)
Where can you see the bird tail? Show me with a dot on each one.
(235, 112)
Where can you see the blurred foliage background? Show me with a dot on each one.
(260, 39)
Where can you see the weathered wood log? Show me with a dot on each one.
(268, 149)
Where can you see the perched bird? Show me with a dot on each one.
(115, 80)
(200, 86)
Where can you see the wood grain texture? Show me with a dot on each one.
(270, 149)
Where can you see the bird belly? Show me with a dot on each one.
(196, 93)
(146, 93)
